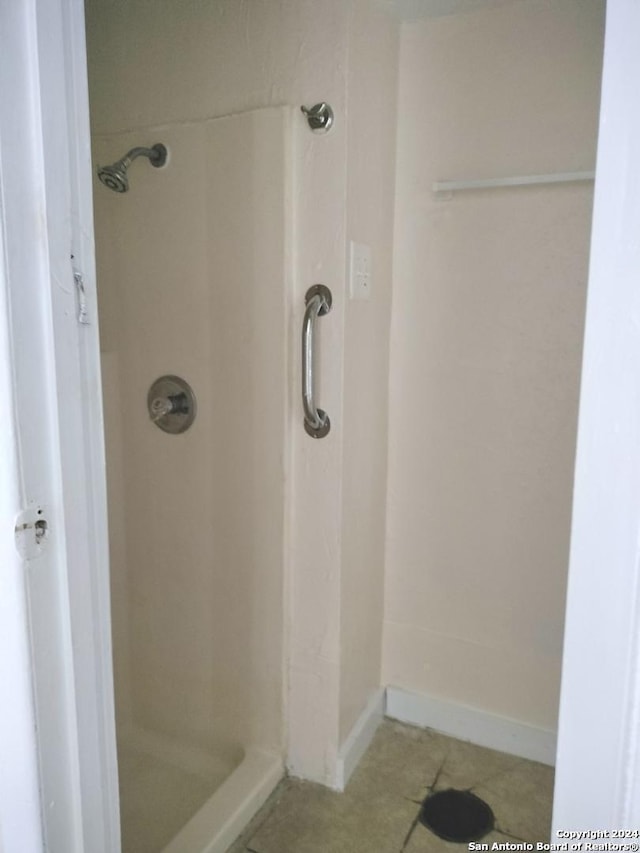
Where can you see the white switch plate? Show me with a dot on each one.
(359, 271)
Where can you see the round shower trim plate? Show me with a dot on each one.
(178, 392)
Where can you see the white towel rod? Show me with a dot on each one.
(515, 181)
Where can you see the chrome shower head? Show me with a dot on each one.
(115, 176)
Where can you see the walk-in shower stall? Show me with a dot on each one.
(302, 531)
(193, 271)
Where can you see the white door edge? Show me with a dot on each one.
(46, 191)
(598, 757)
(20, 805)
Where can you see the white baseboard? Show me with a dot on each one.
(472, 724)
(359, 739)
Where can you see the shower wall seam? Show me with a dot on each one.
(187, 123)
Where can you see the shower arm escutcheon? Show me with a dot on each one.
(318, 302)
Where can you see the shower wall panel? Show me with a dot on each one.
(119, 576)
(193, 272)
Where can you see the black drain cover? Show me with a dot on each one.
(456, 815)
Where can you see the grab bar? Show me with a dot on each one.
(318, 302)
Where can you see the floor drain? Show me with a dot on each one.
(456, 815)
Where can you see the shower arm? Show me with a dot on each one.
(130, 156)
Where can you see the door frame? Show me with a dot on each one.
(599, 727)
(46, 194)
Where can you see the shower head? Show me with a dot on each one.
(115, 176)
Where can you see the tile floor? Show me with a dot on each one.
(378, 812)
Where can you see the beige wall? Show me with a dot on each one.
(372, 91)
(172, 62)
(488, 307)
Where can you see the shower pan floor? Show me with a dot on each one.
(160, 792)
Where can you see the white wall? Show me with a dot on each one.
(191, 61)
(488, 307)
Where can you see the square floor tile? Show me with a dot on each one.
(423, 840)
(467, 765)
(313, 819)
(403, 759)
(522, 800)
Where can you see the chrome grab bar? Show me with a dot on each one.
(318, 302)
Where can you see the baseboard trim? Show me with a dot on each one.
(472, 724)
(359, 738)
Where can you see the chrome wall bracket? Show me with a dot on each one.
(319, 117)
(318, 302)
(172, 404)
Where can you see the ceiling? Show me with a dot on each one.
(412, 10)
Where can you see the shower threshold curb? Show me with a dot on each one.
(223, 817)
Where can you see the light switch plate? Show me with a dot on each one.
(359, 271)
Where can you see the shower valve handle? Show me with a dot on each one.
(171, 405)
(160, 407)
